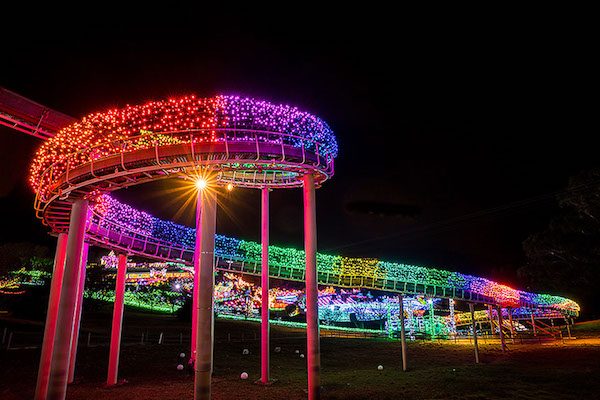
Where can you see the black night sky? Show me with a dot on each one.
(437, 120)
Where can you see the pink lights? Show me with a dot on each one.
(503, 295)
(167, 122)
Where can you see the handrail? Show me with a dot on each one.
(189, 132)
(294, 273)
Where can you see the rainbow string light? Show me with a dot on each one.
(138, 127)
(169, 122)
(227, 247)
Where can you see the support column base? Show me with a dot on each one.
(120, 382)
(269, 383)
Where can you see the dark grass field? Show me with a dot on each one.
(557, 370)
(587, 329)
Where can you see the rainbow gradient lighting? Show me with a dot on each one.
(137, 127)
(271, 144)
(227, 247)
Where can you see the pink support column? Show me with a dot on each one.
(59, 370)
(117, 322)
(402, 332)
(491, 315)
(77, 320)
(474, 327)
(204, 322)
(41, 388)
(196, 279)
(264, 328)
(312, 293)
(501, 329)
(512, 325)
(533, 324)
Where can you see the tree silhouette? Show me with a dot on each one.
(565, 257)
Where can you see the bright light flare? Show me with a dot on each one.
(201, 183)
(229, 187)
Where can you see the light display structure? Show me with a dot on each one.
(221, 141)
(232, 141)
(111, 217)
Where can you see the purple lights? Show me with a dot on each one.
(245, 113)
(243, 142)
(178, 121)
(227, 247)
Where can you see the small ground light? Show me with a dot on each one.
(380, 367)
(180, 367)
(301, 355)
(229, 187)
(246, 352)
(201, 183)
(244, 375)
(182, 355)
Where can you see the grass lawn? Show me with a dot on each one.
(587, 328)
(349, 368)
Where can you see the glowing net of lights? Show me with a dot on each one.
(235, 296)
(141, 126)
(290, 258)
(350, 308)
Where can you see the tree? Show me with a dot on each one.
(16, 255)
(565, 258)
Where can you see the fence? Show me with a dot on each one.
(18, 339)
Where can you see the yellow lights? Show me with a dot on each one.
(201, 183)
(229, 187)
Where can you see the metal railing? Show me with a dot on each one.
(229, 137)
(119, 237)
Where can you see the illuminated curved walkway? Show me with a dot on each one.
(251, 144)
(217, 143)
(167, 241)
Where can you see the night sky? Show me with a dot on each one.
(437, 119)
